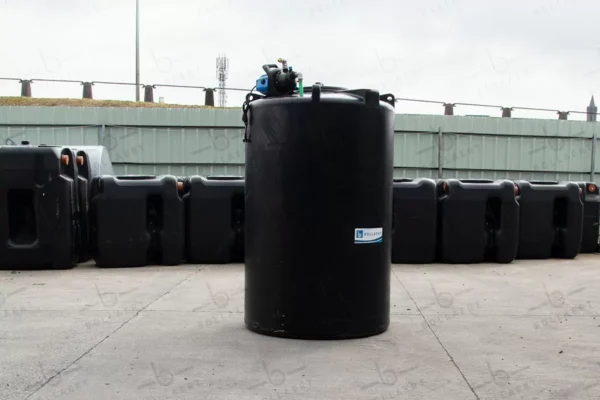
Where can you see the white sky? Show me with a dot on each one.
(520, 53)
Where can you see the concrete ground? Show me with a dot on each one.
(527, 330)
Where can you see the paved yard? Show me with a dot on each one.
(528, 330)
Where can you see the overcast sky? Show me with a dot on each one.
(513, 53)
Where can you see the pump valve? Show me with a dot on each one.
(284, 64)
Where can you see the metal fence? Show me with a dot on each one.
(209, 94)
(87, 88)
(207, 141)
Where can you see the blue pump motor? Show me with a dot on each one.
(262, 84)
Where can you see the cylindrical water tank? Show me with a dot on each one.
(319, 213)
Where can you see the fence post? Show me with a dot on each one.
(209, 97)
(87, 90)
(101, 129)
(148, 93)
(593, 161)
(440, 146)
(25, 87)
(448, 109)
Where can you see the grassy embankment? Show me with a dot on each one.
(36, 102)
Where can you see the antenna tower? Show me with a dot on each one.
(222, 75)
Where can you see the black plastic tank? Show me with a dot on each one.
(40, 227)
(478, 221)
(414, 226)
(318, 202)
(591, 217)
(551, 219)
(96, 161)
(137, 220)
(214, 211)
(92, 161)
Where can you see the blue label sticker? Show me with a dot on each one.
(368, 235)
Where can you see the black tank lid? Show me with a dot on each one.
(324, 88)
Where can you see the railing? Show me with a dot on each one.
(506, 111)
(209, 97)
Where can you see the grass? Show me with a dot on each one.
(36, 102)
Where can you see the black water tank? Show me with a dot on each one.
(319, 213)
(591, 217)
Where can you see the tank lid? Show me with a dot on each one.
(371, 97)
(324, 88)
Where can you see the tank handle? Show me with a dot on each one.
(316, 93)
(267, 67)
(134, 177)
(388, 98)
(534, 182)
(372, 97)
(476, 180)
(224, 178)
(246, 117)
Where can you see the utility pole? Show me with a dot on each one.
(137, 50)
